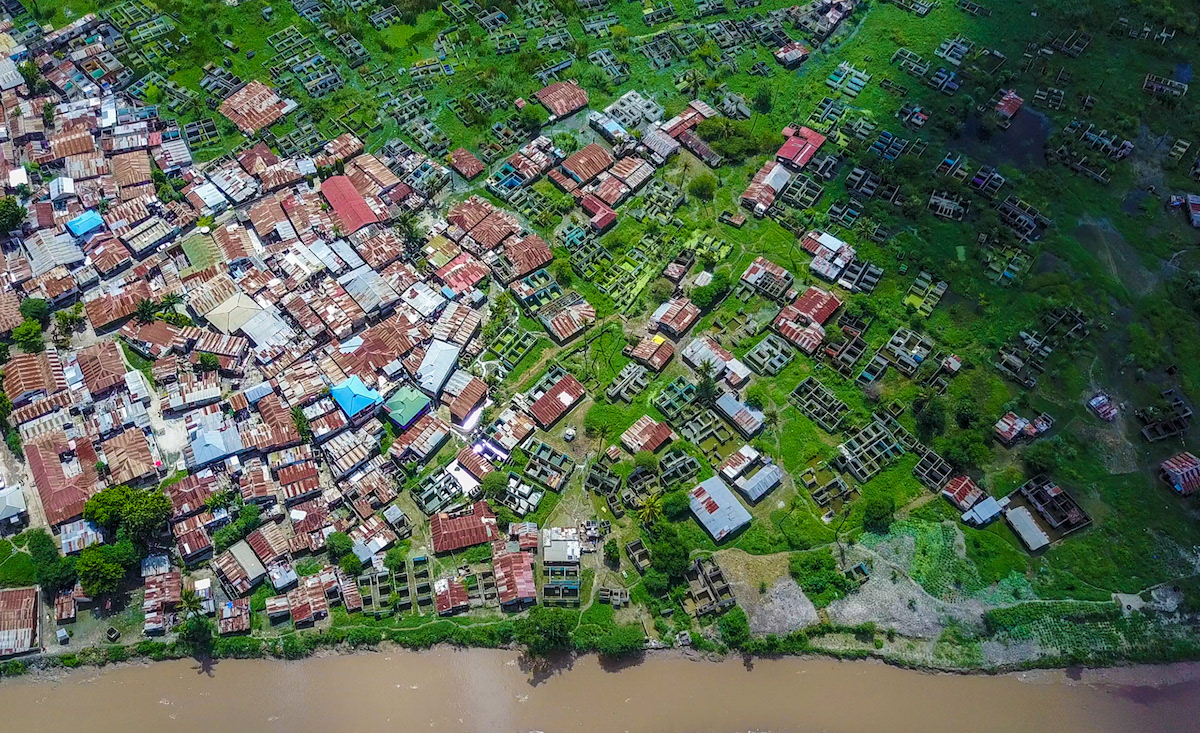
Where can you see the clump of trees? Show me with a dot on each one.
(706, 296)
(138, 513)
(247, 521)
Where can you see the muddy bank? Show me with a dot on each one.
(481, 690)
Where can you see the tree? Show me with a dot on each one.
(105, 507)
(145, 513)
(561, 269)
(300, 420)
(706, 296)
(930, 417)
(763, 98)
(395, 558)
(651, 509)
(676, 505)
(495, 485)
(147, 310)
(703, 186)
(33, 78)
(668, 553)
(36, 309)
(190, 604)
(661, 291)
(545, 630)
(612, 553)
(28, 336)
(137, 512)
(98, 572)
(198, 633)
(734, 627)
(12, 214)
(52, 571)
(350, 565)
(339, 545)
(656, 582)
(706, 388)
(757, 396)
(646, 460)
(532, 117)
(877, 513)
(209, 362)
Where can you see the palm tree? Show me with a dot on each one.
(651, 509)
(147, 310)
(170, 300)
(190, 604)
(770, 417)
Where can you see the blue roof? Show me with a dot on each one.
(85, 222)
(354, 396)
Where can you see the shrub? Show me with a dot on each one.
(735, 627)
(878, 512)
(817, 574)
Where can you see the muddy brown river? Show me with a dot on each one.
(476, 690)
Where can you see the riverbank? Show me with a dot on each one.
(494, 690)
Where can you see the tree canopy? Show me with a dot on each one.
(12, 214)
(139, 512)
(28, 336)
(545, 630)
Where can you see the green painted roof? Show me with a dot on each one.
(406, 405)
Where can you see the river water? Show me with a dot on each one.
(490, 691)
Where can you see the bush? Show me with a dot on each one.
(735, 627)
(878, 512)
(676, 505)
(703, 186)
(818, 576)
(622, 641)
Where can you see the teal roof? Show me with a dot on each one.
(407, 405)
(354, 396)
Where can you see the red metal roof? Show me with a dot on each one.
(348, 204)
(454, 533)
(963, 492)
(817, 305)
(562, 98)
(466, 164)
(451, 596)
(557, 401)
(800, 148)
(514, 577)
